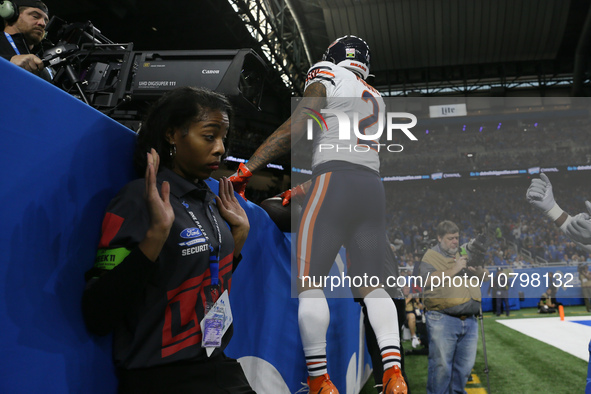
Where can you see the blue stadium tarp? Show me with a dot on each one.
(62, 162)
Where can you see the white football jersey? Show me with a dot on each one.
(364, 105)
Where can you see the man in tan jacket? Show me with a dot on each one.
(452, 300)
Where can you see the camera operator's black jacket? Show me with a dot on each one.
(7, 51)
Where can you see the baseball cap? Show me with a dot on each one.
(32, 3)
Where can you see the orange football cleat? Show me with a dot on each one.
(322, 385)
(394, 382)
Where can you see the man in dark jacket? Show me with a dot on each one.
(24, 29)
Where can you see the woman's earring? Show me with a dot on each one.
(172, 151)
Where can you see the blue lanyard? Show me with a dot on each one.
(11, 41)
(214, 258)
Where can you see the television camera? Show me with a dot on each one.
(475, 250)
(122, 83)
(424, 244)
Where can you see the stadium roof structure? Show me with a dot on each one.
(419, 47)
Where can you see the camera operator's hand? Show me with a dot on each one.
(29, 62)
(460, 264)
(539, 193)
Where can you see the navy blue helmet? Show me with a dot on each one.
(350, 52)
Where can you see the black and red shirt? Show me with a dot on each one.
(155, 308)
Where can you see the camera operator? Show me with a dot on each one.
(451, 310)
(545, 305)
(24, 29)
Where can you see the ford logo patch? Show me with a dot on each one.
(189, 233)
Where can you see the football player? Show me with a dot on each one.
(344, 205)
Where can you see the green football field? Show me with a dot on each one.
(517, 363)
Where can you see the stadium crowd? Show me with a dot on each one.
(482, 147)
(516, 233)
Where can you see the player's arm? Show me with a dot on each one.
(279, 143)
(577, 228)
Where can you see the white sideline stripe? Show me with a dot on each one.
(566, 335)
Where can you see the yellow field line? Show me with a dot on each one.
(470, 389)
